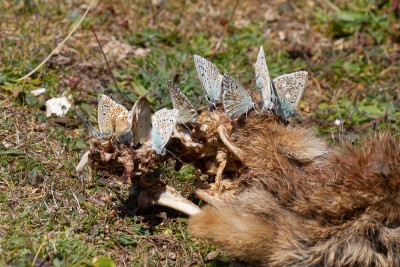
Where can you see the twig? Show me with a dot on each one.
(37, 253)
(52, 194)
(341, 129)
(77, 201)
(221, 37)
(61, 44)
(331, 5)
(375, 121)
(109, 68)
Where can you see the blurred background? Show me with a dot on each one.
(47, 214)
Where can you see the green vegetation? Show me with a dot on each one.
(49, 216)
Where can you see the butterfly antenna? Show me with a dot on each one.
(184, 124)
(93, 131)
(166, 150)
(341, 129)
(224, 30)
(108, 67)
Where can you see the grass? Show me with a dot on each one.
(48, 213)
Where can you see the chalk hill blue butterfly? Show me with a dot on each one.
(163, 124)
(235, 98)
(114, 118)
(289, 88)
(187, 113)
(210, 78)
(141, 121)
(263, 80)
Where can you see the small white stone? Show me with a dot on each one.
(58, 106)
(38, 91)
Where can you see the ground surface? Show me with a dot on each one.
(50, 216)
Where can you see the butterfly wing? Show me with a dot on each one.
(114, 118)
(210, 78)
(93, 131)
(141, 120)
(163, 124)
(123, 124)
(235, 98)
(187, 113)
(263, 79)
(289, 89)
(104, 116)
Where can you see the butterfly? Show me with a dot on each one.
(163, 122)
(235, 98)
(210, 78)
(289, 88)
(141, 121)
(263, 80)
(187, 113)
(114, 118)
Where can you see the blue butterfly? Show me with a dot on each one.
(163, 125)
(210, 78)
(263, 81)
(289, 88)
(187, 113)
(235, 98)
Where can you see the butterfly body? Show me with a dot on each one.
(163, 124)
(187, 113)
(114, 118)
(263, 81)
(211, 79)
(289, 88)
(235, 98)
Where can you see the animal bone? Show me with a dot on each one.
(82, 163)
(236, 151)
(170, 198)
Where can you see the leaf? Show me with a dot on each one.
(351, 67)
(350, 16)
(139, 89)
(31, 100)
(14, 152)
(370, 109)
(103, 261)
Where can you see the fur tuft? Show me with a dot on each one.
(303, 204)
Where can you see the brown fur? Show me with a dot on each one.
(303, 204)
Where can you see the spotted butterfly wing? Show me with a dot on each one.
(114, 118)
(289, 88)
(235, 98)
(210, 78)
(163, 124)
(187, 113)
(104, 116)
(263, 80)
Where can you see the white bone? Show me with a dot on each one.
(82, 163)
